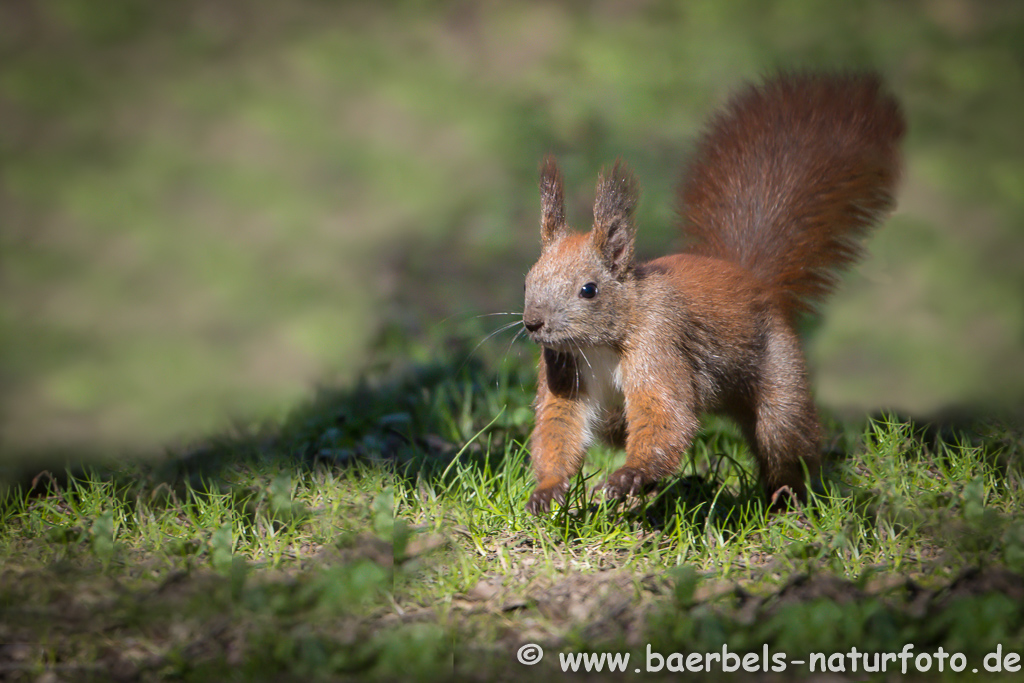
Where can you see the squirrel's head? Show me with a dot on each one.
(577, 294)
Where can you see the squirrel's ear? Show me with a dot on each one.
(614, 227)
(552, 201)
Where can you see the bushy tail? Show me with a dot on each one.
(789, 177)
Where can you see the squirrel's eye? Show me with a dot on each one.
(589, 290)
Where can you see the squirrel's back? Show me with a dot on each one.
(790, 175)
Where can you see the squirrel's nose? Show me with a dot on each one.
(533, 325)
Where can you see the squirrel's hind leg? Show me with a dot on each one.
(781, 423)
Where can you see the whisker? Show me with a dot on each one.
(516, 336)
(576, 365)
(501, 329)
(465, 317)
(519, 354)
(508, 349)
(587, 360)
(489, 315)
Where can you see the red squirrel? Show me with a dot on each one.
(785, 182)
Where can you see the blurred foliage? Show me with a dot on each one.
(206, 206)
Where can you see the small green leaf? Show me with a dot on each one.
(221, 549)
(686, 579)
(384, 514)
(102, 532)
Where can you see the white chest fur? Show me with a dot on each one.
(599, 366)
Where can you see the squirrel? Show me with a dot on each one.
(784, 184)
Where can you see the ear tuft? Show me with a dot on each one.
(552, 201)
(614, 226)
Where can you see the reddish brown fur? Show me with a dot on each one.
(790, 176)
(783, 183)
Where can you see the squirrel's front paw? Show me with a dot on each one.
(540, 499)
(625, 481)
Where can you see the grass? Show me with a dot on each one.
(379, 532)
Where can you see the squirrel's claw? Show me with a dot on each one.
(784, 498)
(625, 481)
(540, 499)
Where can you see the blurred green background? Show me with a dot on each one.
(209, 206)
